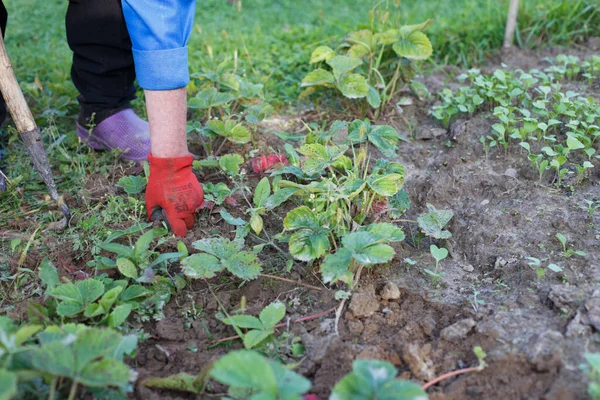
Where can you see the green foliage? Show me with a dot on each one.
(592, 368)
(363, 248)
(132, 184)
(374, 379)
(86, 356)
(372, 62)
(438, 254)
(310, 237)
(568, 252)
(555, 128)
(218, 254)
(261, 328)
(251, 376)
(384, 137)
(432, 222)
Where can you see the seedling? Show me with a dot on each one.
(259, 329)
(374, 379)
(592, 368)
(568, 252)
(439, 254)
(432, 222)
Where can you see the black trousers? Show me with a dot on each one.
(102, 71)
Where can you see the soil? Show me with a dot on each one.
(534, 332)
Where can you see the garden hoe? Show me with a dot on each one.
(26, 126)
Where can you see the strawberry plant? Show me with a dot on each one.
(374, 379)
(364, 248)
(218, 254)
(371, 63)
(259, 329)
(85, 356)
(251, 376)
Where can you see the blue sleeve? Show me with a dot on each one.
(159, 31)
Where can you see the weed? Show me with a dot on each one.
(568, 252)
(259, 329)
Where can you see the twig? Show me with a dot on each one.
(450, 375)
(281, 325)
(290, 281)
(405, 220)
(338, 315)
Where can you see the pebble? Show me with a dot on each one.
(511, 172)
(390, 291)
(458, 331)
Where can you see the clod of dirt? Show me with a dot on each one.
(355, 327)
(390, 291)
(170, 329)
(592, 306)
(458, 331)
(511, 172)
(565, 298)
(419, 363)
(545, 350)
(377, 353)
(430, 133)
(579, 326)
(364, 303)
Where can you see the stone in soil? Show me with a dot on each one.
(390, 291)
(458, 331)
(364, 303)
(418, 361)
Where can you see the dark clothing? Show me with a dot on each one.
(102, 71)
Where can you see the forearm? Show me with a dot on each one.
(167, 118)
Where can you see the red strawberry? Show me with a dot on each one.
(230, 201)
(263, 163)
(310, 397)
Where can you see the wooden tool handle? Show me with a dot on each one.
(13, 96)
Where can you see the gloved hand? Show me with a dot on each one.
(173, 187)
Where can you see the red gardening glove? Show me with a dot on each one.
(174, 188)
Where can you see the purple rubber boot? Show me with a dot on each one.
(123, 130)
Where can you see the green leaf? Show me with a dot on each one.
(107, 372)
(240, 135)
(142, 245)
(256, 223)
(48, 275)
(90, 289)
(386, 185)
(373, 97)
(8, 384)
(69, 308)
(340, 65)
(385, 138)
(279, 197)
(25, 333)
(119, 249)
(230, 163)
(366, 250)
(243, 321)
(433, 222)
(109, 298)
(414, 46)
(209, 98)
(254, 337)
(301, 217)
(93, 310)
(200, 265)
(245, 369)
(132, 184)
(438, 253)
(561, 238)
(386, 231)
(262, 192)
(399, 203)
(321, 53)
(245, 265)
(353, 86)
(119, 315)
(127, 268)
(226, 215)
(336, 266)
(290, 384)
(272, 314)
(67, 292)
(374, 379)
(574, 144)
(318, 77)
(308, 244)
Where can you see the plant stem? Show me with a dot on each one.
(73, 391)
(405, 220)
(291, 281)
(338, 315)
(52, 392)
(449, 375)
